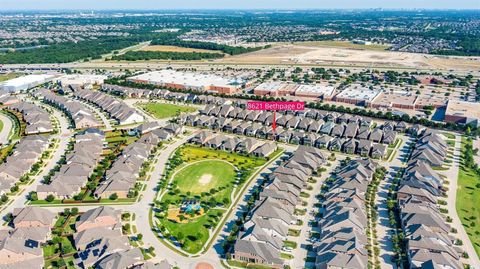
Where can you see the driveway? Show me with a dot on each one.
(301, 251)
(384, 231)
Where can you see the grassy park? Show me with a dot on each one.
(203, 176)
(468, 199)
(162, 111)
(203, 182)
(4, 77)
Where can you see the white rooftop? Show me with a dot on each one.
(316, 88)
(82, 79)
(26, 80)
(359, 93)
(270, 86)
(185, 78)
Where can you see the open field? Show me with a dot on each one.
(203, 176)
(161, 111)
(313, 53)
(176, 49)
(4, 77)
(192, 153)
(468, 199)
(342, 44)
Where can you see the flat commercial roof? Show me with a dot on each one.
(185, 78)
(404, 98)
(359, 93)
(270, 86)
(80, 79)
(277, 86)
(26, 80)
(326, 90)
(463, 109)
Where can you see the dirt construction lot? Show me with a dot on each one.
(176, 49)
(344, 56)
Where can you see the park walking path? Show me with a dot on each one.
(452, 175)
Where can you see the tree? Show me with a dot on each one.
(180, 237)
(56, 240)
(139, 237)
(74, 211)
(66, 212)
(50, 198)
(14, 188)
(67, 249)
(114, 196)
(91, 186)
(33, 196)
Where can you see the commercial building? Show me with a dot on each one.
(26, 82)
(357, 95)
(395, 99)
(190, 81)
(462, 112)
(324, 92)
(275, 89)
(81, 80)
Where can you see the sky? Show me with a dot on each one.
(233, 4)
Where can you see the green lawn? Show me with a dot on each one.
(1, 125)
(194, 153)
(161, 111)
(204, 175)
(214, 194)
(4, 77)
(194, 234)
(468, 199)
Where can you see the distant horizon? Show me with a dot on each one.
(141, 5)
(240, 9)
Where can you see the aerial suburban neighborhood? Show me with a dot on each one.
(244, 136)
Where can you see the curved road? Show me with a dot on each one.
(142, 211)
(7, 127)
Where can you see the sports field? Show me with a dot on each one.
(162, 111)
(203, 176)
